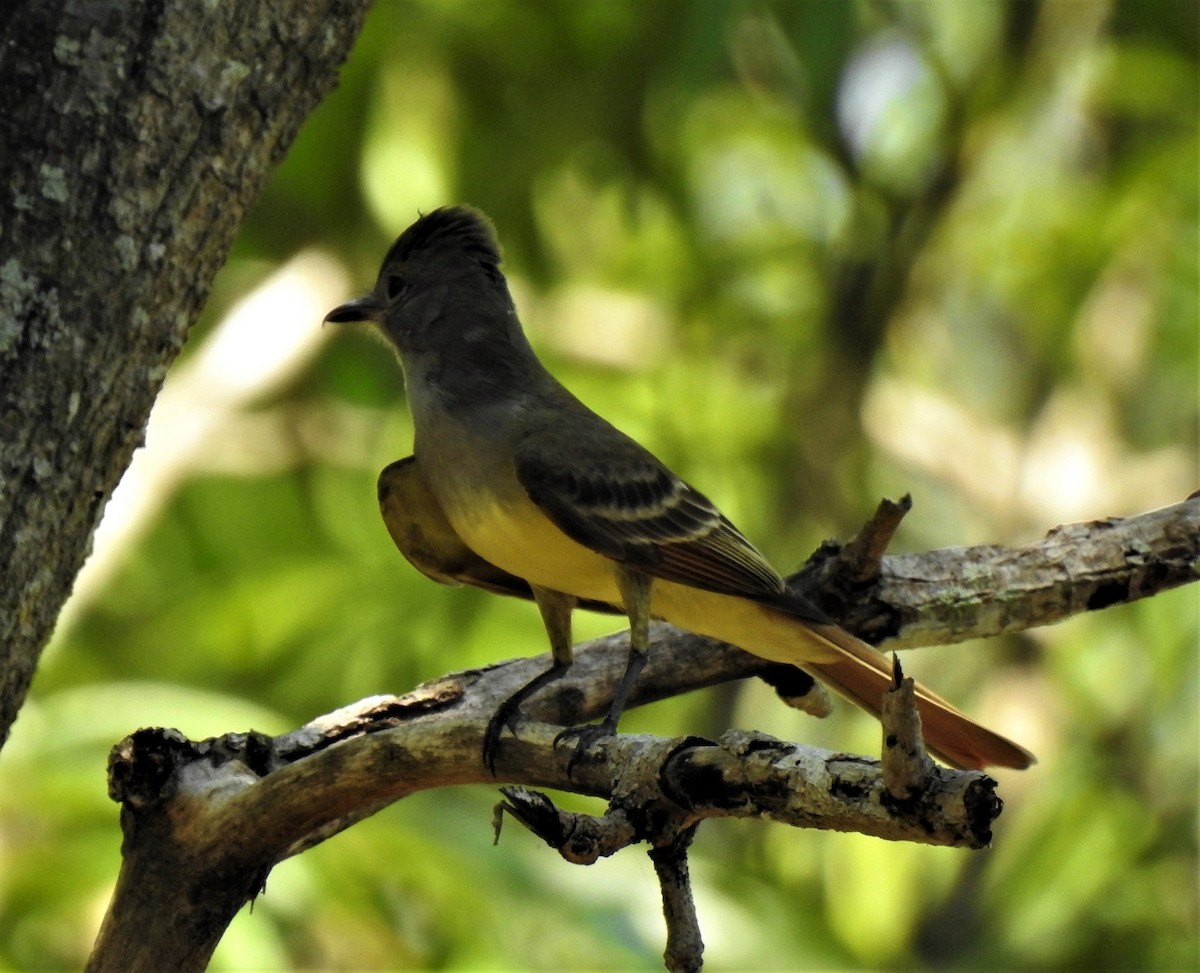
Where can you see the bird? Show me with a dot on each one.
(515, 486)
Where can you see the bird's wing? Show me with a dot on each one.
(421, 532)
(617, 499)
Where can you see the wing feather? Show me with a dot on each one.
(622, 502)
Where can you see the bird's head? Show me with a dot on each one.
(447, 261)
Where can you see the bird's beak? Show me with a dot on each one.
(360, 309)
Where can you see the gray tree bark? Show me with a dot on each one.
(134, 135)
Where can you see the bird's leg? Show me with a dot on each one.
(635, 596)
(556, 609)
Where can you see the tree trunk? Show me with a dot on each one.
(134, 135)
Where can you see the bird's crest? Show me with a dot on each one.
(453, 229)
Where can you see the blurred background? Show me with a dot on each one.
(811, 254)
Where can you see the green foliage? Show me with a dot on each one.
(811, 254)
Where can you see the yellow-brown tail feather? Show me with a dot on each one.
(863, 675)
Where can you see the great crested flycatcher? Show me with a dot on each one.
(517, 487)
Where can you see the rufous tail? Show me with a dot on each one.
(862, 675)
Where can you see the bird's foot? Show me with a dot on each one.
(506, 717)
(508, 713)
(585, 737)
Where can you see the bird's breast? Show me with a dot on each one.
(512, 533)
(490, 510)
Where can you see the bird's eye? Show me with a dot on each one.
(396, 286)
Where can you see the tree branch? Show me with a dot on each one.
(958, 593)
(205, 822)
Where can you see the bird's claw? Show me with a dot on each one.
(506, 717)
(585, 737)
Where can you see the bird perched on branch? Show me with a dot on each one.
(517, 487)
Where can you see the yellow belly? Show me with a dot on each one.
(520, 539)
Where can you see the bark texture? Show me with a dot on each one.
(134, 135)
(205, 822)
